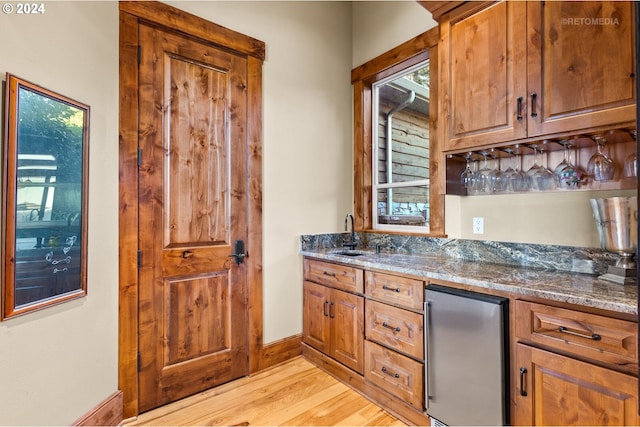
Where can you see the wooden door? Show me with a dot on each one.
(564, 391)
(581, 65)
(193, 207)
(347, 329)
(316, 321)
(483, 71)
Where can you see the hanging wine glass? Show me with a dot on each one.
(468, 176)
(495, 174)
(483, 184)
(534, 169)
(543, 178)
(507, 177)
(600, 167)
(631, 162)
(568, 175)
(521, 179)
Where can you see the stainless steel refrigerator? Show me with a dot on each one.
(466, 357)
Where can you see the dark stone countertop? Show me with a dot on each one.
(575, 288)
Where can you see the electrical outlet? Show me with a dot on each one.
(478, 225)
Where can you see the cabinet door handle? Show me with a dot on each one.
(332, 310)
(326, 314)
(393, 328)
(534, 112)
(388, 372)
(595, 337)
(523, 371)
(389, 288)
(519, 108)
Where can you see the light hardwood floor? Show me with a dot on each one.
(294, 393)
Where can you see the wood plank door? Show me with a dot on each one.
(193, 208)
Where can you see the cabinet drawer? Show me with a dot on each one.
(589, 335)
(395, 289)
(337, 276)
(396, 374)
(396, 328)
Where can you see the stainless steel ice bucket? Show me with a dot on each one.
(617, 221)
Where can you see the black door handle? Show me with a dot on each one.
(238, 252)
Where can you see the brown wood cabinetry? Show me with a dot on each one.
(518, 70)
(333, 311)
(333, 323)
(395, 373)
(559, 390)
(580, 374)
(394, 346)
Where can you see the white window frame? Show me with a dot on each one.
(375, 175)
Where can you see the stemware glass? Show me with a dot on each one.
(495, 174)
(468, 176)
(568, 175)
(600, 167)
(631, 162)
(507, 178)
(521, 179)
(483, 184)
(543, 180)
(533, 171)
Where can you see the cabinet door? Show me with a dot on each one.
(483, 72)
(581, 65)
(347, 335)
(558, 390)
(316, 321)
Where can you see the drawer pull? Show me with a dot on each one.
(393, 328)
(326, 273)
(523, 371)
(389, 288)
(388, 372)
(595, 337)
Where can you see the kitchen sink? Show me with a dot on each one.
(348, 252)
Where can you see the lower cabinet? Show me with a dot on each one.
(559, 390)
(573, 368)
(395, 373)
(394, 345)
(333, 323)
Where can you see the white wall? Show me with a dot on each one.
(379, 26)
(59, 363)
(559, 218)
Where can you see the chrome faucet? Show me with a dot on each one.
(351, 244)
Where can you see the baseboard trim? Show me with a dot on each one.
(280, 351)
(107, 413)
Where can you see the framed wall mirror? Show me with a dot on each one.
(45, 199)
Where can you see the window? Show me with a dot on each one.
(401, 150)
(398, 186)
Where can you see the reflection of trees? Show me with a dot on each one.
(49, 126)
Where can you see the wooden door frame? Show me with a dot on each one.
(174, 20)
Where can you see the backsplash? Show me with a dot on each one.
(547, 257)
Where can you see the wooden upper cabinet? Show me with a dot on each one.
(580, 65)
(516, 70)
(481, 58)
